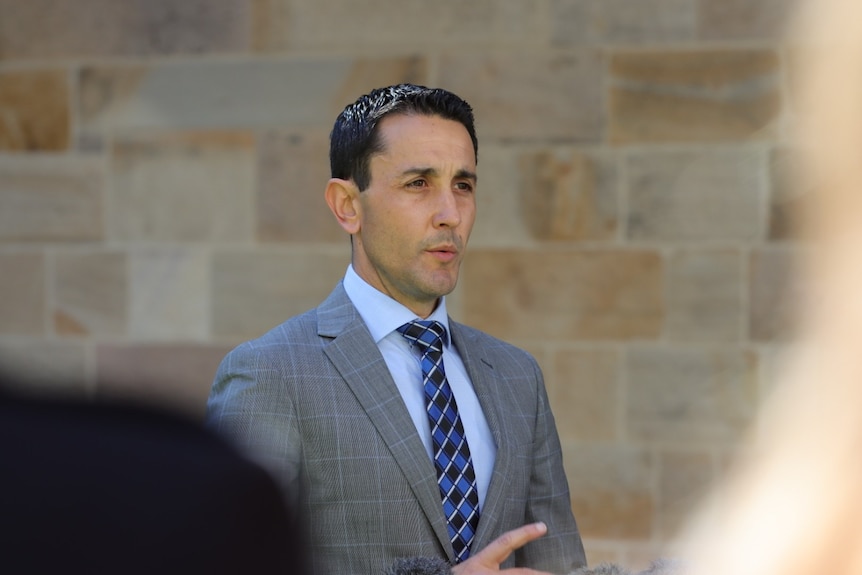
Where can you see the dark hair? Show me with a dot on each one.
(354, 138)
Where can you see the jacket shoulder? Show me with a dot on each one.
(492, 345)
(302, 327)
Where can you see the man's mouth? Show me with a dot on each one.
(444, 253)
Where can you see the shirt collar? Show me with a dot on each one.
(381, 313)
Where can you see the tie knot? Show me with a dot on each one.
(427, 334)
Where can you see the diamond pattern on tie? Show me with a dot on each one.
(455, 475)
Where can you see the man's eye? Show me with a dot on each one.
(464, 186)
(420, 183)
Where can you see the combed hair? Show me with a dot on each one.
(355, 138)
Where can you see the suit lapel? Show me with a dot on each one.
(482, 375)
(357, 358)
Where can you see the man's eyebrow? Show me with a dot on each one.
(426, 172)
(466, 174)
(432, 172)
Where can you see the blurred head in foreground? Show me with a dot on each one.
(793, 504)
(125, 488)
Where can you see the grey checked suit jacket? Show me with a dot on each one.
(314, 402)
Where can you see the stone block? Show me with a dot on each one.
(696, 196)
(684, 480)
(45, 367)
(169, 294)
(611, 492)
(500, 218)
(774, 294)
(584, 388)
(597, 22)
(55, 29)
(193, 186)
(530, 96)
(175, 376)
(253, 292)
(50, 198)
(575, 295)
(34, 105)
(777, 364)
(392, 24)
(292, 175)
(744, 19)
(789, 197)
(264, 93)
(454, 301)
(90, 294)
(704, 296)
(685, 396)
(569, 195)
(703, 96)
(22, 293)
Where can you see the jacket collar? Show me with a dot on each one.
(356, 356)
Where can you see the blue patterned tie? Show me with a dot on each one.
(455, 475)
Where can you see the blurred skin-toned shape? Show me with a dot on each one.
(793, 504)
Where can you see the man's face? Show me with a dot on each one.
(416, 215)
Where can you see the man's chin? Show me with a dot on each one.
(440, 289)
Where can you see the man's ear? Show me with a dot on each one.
(342, 196)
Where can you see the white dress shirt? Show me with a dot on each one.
(383, 316)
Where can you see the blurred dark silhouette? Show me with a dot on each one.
(126, 489)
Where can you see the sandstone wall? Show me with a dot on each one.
(162, 164)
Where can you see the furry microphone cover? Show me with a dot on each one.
(437, 566)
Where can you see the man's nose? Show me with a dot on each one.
(448, 212)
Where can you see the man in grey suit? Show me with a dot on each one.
(398, 431)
